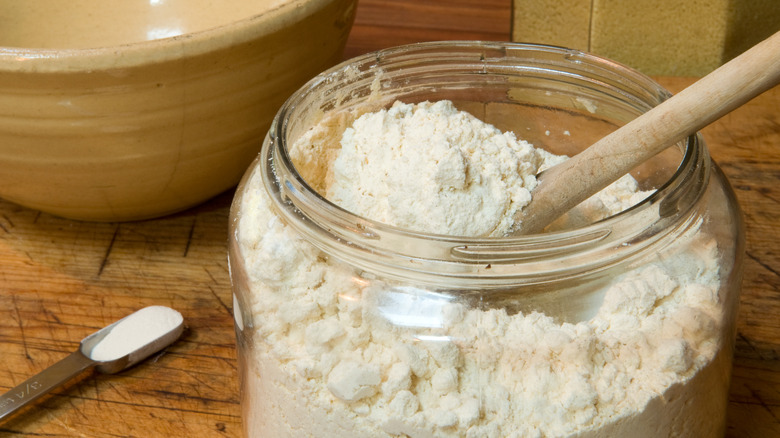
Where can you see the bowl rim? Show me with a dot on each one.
(150, 52)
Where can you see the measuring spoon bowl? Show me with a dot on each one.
(80, 360)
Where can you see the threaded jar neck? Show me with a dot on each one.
(552, 80)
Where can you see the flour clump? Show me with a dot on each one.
(429, 167)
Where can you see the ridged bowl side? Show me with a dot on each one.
(140, 141)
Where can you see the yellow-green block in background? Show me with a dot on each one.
(657, 37)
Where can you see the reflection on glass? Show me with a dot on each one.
(411, 306)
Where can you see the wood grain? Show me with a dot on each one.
(381, 24)
(61, 280)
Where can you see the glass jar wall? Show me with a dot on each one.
(347, 327)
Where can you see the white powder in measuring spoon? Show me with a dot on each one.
(135, 331)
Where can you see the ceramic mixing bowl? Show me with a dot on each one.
(136, 109)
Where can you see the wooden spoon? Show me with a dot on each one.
(564, 186)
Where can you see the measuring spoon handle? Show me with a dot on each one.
(43, 382)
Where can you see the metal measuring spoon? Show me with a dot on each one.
(81, 359)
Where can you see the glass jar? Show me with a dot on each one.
(351, 328)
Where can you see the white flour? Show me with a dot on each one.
(442, 171)
(339, 356)
(134, 331)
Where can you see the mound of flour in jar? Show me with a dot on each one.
(442, 171)
(336, 354)
(431, 168)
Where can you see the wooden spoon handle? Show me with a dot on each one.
(564, 186)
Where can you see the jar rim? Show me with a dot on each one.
(353, 237)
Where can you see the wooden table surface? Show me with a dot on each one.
(61, 280)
